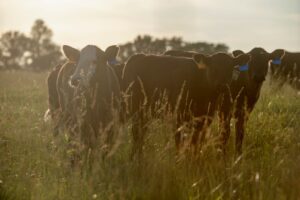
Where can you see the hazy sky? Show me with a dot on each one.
(241, 24)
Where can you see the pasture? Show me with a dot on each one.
(35, 165)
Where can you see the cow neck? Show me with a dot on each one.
(240, 84)
(254, 88)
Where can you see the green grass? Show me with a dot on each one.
(34, 165)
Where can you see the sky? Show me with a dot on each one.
(241, 24)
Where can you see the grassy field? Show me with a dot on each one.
(35, 165)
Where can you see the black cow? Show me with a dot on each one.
(287, 69)
(243, 93)
(191, 87)
(86, 83)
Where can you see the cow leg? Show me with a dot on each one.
(195, 138)
(199, 133)
(224, 127)
(138, 132)
(241, 117)
(56, 129)
(178, 139)
(203, 128)
(55, 115)
(61, 123)
(178, 133)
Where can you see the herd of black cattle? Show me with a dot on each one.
(92, 92)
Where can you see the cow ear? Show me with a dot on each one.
(71, 53)
(242, 59)
(201, 60)
(111, 52)
(236, 53)
(277, 54)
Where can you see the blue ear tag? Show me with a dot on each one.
(243, 68)
(276, 61)
(113, 62)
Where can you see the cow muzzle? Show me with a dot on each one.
(75, 80)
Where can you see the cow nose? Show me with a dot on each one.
(75, 81)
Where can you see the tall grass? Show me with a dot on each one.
(35, 165)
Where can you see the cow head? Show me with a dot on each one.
(278, 60)
(88, 61)
(220, 66)
(258, 66)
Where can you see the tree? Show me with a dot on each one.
(221, 48)
(41, 37)
(13, 45)
(149, 45)
(37, 52)
(44, 53)
(174, 43)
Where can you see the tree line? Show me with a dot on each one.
(38, 52)
(35, 51)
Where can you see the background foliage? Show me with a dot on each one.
(38, 52)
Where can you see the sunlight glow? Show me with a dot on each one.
(108, 22)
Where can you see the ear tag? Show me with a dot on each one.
(243, 68)
(113, 62)
(276, 61)
(235, 74)
(201, 65)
